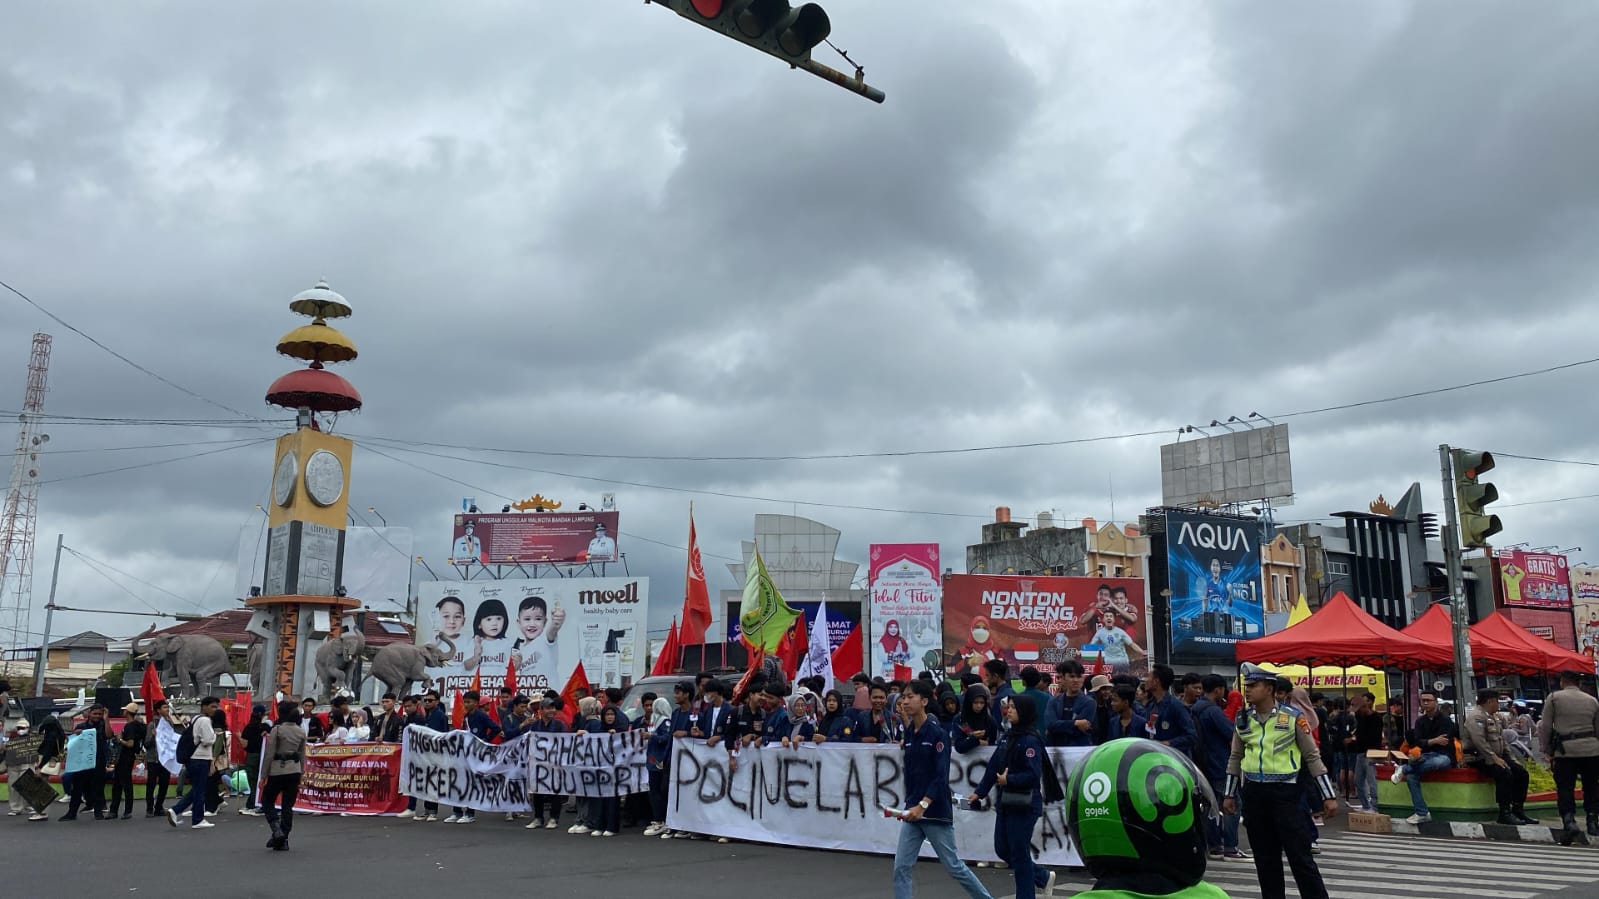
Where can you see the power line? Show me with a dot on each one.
(1543, 502)
(93, 561)
(252, 441)
(646, 486)
(1543, 459)
(113, 582)
(142, 446)
(136, 366)
(1074, 441)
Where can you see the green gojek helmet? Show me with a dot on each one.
(1140, 806)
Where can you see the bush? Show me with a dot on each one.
(1539, 778)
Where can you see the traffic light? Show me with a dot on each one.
(771, 26)
(1476, 525)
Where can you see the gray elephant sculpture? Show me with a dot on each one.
(190, 660)
(255, 659)
(336, 659)
(398, 665)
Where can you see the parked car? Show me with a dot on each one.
(661, 685)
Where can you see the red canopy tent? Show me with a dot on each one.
(1344, 635)
(1490, 653)
(1545, 654)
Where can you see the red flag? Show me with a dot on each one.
(666, 662)
(903, 672)
(696, 597)
(847, 657)
(578, 679)
(756, 657)
(150, 690)
(793, 648)
(458, 707)
(510, 674)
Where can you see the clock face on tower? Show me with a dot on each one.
(324, 478)
(283, 478)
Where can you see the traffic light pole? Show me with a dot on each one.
(847, 82)
(1459, 618)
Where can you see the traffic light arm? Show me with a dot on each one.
(855, 84)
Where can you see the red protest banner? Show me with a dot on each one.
(358, 778)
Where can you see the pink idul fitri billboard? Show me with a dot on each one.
(906, 609)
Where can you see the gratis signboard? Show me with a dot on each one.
(1534, 580)
(1214, 577)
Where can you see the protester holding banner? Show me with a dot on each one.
(546, 806)
(1017, 767)
(607, 810)
(663, 722)
(157, 777)
(284, 753)
(22, 754)
(87, 755)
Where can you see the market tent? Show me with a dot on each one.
(1490, 653)
(1542, 653)
(1343, 635)
(1331, 678)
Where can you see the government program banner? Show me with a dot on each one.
(354, 778)
(831, 796)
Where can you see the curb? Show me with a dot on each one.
(1472, 830)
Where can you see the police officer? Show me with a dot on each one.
(1272, 742)
(1138, 835)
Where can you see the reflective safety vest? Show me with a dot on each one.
(1271, 745)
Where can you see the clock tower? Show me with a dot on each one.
(302, 602)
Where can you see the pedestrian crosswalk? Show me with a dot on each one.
(1369, 866)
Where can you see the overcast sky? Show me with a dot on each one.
(594, 227)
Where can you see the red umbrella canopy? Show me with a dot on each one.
(1540, 655)
(1343, 635)
(1490, 653)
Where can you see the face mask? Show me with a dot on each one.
(980, 635)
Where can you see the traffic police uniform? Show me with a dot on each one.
(1269, 752)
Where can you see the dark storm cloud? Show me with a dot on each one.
(608, 231)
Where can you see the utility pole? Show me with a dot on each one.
(40, 663)
(1458, 616)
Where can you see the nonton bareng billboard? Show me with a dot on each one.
(1043, 621)
(1213, 564)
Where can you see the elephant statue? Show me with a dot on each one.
(399, 664)
(336, 659)
(255, 662)
(191, 660)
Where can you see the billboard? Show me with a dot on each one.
(1238, 467)
(842, 617)
(1043, 621)
(1585, 609)
(533, 537)
(546, 625)
(1534, 580)
(906, 608)
(1213, 572)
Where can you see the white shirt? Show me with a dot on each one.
(468, 547)
(602, 548)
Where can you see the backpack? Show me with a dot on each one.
(186, 743)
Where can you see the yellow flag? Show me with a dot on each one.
(763, 616)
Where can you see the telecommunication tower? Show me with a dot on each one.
(22, 504)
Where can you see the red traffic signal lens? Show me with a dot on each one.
(710, 9)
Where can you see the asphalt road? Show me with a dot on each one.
(492, 857)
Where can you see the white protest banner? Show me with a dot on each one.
(166, 746)
(589, 764)
(832, 796)
(458, 769)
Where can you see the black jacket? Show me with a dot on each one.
(1426, 728)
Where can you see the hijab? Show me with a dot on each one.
(1300, 700)
(829, 717)
(977, 721)
(660, 711)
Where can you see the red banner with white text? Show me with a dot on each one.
(358, 778)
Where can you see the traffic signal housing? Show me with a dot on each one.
(1472, 497)
(771, 26)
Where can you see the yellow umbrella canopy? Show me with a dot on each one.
(317, 342)
(320, 301)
